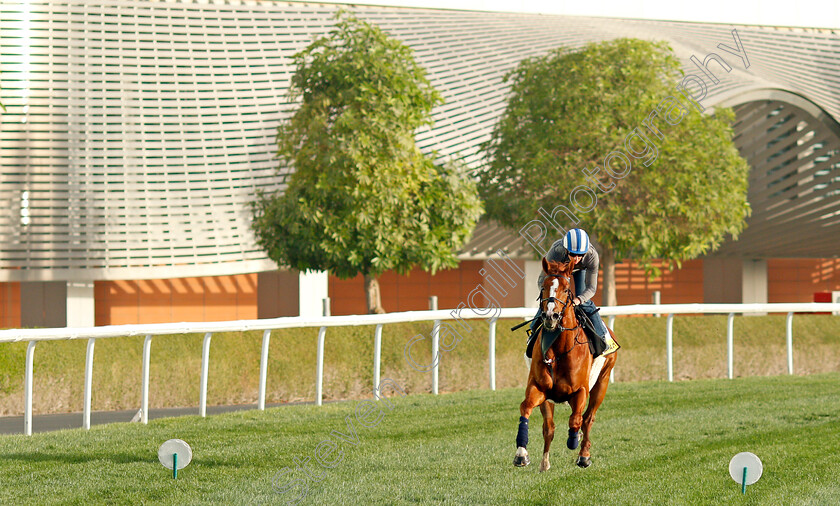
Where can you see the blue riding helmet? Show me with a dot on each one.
(576, 241)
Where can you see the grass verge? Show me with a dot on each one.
(654, 443)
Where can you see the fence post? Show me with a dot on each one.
(730, 346)
(144, 388)
(433, 305)
(27, 389)
(611, 323)
(669, 346)
(88, 382)
(492, 353)
(435, 355)
(789, 328)
(377, 356)
(319, 368)
(656, 298)
(326, 307)
(263, 369)
(205, 363)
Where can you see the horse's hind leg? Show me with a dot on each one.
(533, 398)
(547, 410)
(596, 396)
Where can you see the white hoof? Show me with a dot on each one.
(545, 465)
(521, 458)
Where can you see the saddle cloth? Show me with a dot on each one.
(596, 346)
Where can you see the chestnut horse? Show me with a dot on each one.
(563, 373)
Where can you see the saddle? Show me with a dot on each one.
(596, 345)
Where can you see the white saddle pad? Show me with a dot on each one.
(597, 365)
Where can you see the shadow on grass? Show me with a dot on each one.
(116, 458)
(75, 458)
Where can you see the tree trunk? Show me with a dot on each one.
(608, 267)
(372, 296)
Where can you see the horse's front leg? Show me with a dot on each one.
(577, 402)
(596, 396)
(547, 410)
(533, 398)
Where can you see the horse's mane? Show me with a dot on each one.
(555, 268)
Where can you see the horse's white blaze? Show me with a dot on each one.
(552, 292)
(545, 465)
(521, 452)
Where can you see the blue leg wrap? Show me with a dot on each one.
(522, 434)
(574, 439)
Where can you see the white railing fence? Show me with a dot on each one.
(32, 336)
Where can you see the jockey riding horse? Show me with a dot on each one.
(575, 246)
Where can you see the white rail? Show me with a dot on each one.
(34, 335)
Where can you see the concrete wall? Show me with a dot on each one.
(533, 268)
(312, 290)
(81, 304)
(754, 282)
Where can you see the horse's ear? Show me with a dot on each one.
(545, 265)
(566, 268)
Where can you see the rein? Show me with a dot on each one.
(575, 343)
(569, 298)
(563, 308)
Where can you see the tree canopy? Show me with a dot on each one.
(570, 109)
(362, 198)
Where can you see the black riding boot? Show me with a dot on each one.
(597, 325)
(532, 333)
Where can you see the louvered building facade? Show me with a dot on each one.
(136, 133)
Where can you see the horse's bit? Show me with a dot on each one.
(568, 301)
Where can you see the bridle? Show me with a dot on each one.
(569, 300)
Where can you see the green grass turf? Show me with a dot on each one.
(654, 443)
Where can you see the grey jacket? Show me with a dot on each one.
(590, 263)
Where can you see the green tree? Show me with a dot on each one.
(568, 110)
(362, 198)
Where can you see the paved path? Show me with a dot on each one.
(46, 423)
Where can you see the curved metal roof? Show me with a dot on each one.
(137, 131)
